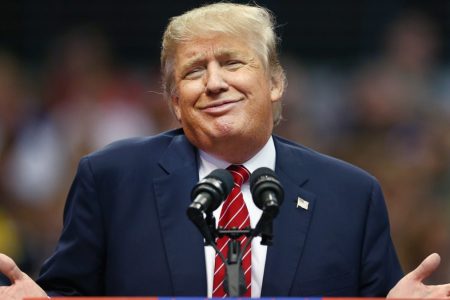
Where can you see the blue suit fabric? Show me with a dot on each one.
(126, 232)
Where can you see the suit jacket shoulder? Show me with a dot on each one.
(311, 159)
(134, 152)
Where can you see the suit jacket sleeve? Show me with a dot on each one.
(76, 266)
(380, 269)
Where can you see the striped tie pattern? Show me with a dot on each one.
(234, 214)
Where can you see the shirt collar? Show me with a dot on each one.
(264, 158)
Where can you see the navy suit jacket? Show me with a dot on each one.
(126, 231)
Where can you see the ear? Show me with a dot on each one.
(175, 100)
(276, 86)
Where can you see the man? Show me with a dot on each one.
(125, 225)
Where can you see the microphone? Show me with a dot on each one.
(207, 195)
(209, 192)
(268, 195)
(266, 191)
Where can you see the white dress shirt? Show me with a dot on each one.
(264, 158)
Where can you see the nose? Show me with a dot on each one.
(215, 81)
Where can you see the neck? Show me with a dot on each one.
(236, 151)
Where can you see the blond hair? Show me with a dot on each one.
(253, 23)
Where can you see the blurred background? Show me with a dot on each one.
(369, 82)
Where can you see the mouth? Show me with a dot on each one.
(220, 106)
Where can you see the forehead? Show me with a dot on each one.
(213, 46)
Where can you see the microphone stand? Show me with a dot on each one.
(234, 282)
(267, 194)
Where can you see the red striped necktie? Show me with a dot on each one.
(234, 214)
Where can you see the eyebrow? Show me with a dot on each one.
(192, 61)
(221, 52)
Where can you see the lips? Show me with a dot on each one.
(220, 106)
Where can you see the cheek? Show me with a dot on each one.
(188, 96)
(251, 82)
(190, 90)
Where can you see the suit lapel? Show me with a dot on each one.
(290, 226)
(183, 242)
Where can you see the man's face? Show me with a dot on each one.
(223, 94)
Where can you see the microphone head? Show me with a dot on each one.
(265, 180)
(217, 185)
(225, 178)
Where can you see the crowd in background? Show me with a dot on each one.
(389, 114)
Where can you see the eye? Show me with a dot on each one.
(233, 64)
(193, 73)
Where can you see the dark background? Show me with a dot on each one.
(326, 30)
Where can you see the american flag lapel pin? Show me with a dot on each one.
(302, 203)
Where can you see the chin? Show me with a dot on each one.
(223, 129)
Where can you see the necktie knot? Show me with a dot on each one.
(240, 174)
